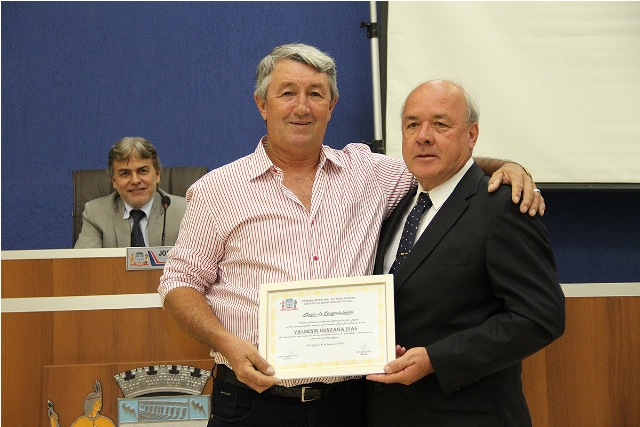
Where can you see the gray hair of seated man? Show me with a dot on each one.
(135, 146)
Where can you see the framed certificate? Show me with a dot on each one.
(329, 327)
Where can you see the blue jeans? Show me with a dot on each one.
(232, 405)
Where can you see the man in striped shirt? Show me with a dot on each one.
(292, 210)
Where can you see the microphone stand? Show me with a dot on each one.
(166, 201)
(164, 222)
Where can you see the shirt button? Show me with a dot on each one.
(315, 257)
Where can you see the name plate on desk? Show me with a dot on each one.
(331, 327)
(147, 258)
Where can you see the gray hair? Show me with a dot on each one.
(133, 146)
(298, 52)
(473, 113)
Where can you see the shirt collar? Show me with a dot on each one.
(441, 193)
(331, 155)
(262, 163)
(146, 208)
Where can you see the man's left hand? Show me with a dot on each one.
(406, 369)
(521, 184)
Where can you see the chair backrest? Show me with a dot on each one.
(93, 183)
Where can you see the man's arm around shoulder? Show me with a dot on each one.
(522, 184)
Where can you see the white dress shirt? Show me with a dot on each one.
(438, 196)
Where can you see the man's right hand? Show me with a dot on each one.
(250, 368)
(190, 309)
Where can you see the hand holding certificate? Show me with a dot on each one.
(331, 327)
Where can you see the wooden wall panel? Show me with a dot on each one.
(100, 336)
(26, 347)
(594, 368)
(74, 276)
(534, 387)
(27, 278)
(101, 276)
(31, 341)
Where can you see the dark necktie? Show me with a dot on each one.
(410, 229)
(136, 232)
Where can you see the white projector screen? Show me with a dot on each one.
(557, 83)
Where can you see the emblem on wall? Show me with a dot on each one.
(91, 417)
(164, 395)
(154, 396)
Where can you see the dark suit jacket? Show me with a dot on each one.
(479, 290)
(103, 225)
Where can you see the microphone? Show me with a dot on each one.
(166, 201)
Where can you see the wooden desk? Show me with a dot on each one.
(52, 349)
(51, 352)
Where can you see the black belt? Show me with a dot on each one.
(306, 393)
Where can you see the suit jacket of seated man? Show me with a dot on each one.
(479, 290)
(103, 225)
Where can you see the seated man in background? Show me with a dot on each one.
(133, 215)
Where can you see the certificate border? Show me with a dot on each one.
(266, 289)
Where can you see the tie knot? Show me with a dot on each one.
(137, 215)
(424, 200)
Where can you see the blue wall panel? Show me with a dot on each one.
(595, 235)
(78, 76)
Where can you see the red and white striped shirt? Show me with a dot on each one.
(243, 227)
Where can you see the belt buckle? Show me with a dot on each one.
(302, 398)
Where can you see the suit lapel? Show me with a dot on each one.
(446, 217)
(389, 228)
(121, 226)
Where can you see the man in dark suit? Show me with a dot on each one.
(135, 170)
(476, 294)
